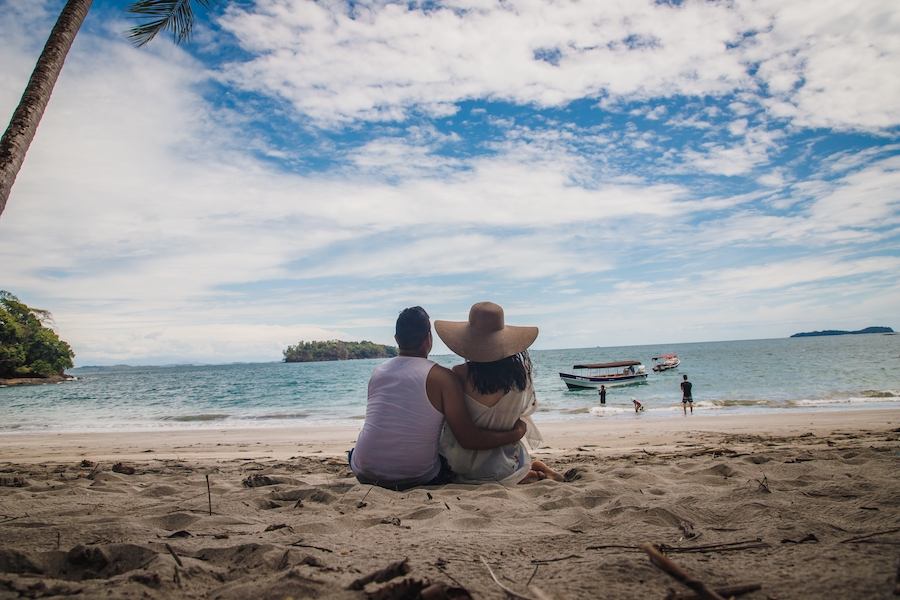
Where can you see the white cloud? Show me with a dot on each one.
(823, 64)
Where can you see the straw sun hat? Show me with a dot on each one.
(485, 337)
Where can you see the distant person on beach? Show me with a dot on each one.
(686, 397)
(602, 394)
(638, 407)
(409, 400)
(499, 393)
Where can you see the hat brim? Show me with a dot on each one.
(475, 346)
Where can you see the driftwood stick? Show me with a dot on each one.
(541, 561)
(503, 587)
(209, 495)
(726, 592)
(868, 535)
(396, 569)
(670, 568)
(175, 556)
(742, 545)
(715, 547)
(297, 544)
(607, 546)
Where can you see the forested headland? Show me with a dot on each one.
(29, 349)
(337, 350)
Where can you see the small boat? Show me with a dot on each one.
(608, 374)
(666, 362)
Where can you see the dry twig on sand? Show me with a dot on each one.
(868, 535)
(503, 587)
(175, 556)
(670, 568)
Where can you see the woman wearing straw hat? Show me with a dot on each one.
(498, 387)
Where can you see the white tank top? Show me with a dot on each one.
(399, 441)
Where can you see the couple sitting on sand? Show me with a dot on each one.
(428, 425)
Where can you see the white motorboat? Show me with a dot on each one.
(608, 374)
(666, 362)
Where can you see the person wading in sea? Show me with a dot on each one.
(686, 397)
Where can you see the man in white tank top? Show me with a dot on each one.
(409, 399)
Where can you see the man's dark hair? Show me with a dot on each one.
(684, 377)
(512, 372)
(413, 326)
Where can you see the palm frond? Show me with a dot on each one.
(175, 16)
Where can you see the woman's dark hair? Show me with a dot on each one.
(510, 373)
(413, 326)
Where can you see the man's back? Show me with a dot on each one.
(398, 444)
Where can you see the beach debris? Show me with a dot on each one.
(13, 482)
(175, 556)
(392, 521)
(512, 593)
(543, 561)
(257, 480)
(663, 563)
(181, 534)
(87, 464)
(726, 592)
(123, 469)
(276, 527)
(299, 544)
(764, 485)
(688, 530)
(392, 571)
(209, 495)
(724, 547)
(859, 538)
(572, 475)
(361, 504)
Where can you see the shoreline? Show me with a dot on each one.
(603, 436)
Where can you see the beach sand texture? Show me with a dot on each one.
(807, 506)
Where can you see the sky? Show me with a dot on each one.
(615, 173)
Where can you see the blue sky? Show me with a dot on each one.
(615, 173)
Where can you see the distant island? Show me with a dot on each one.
(337, 350)
(839, 332)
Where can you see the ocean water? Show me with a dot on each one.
(794, 374)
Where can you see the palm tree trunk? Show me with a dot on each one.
(24, 123)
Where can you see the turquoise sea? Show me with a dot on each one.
(794, 374)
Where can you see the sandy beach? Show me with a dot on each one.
(801, 504)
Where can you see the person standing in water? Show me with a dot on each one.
(686, 397)
(602, 394)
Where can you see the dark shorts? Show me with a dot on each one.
(687, 399)
(441, 478)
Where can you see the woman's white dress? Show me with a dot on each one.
(507, 464)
